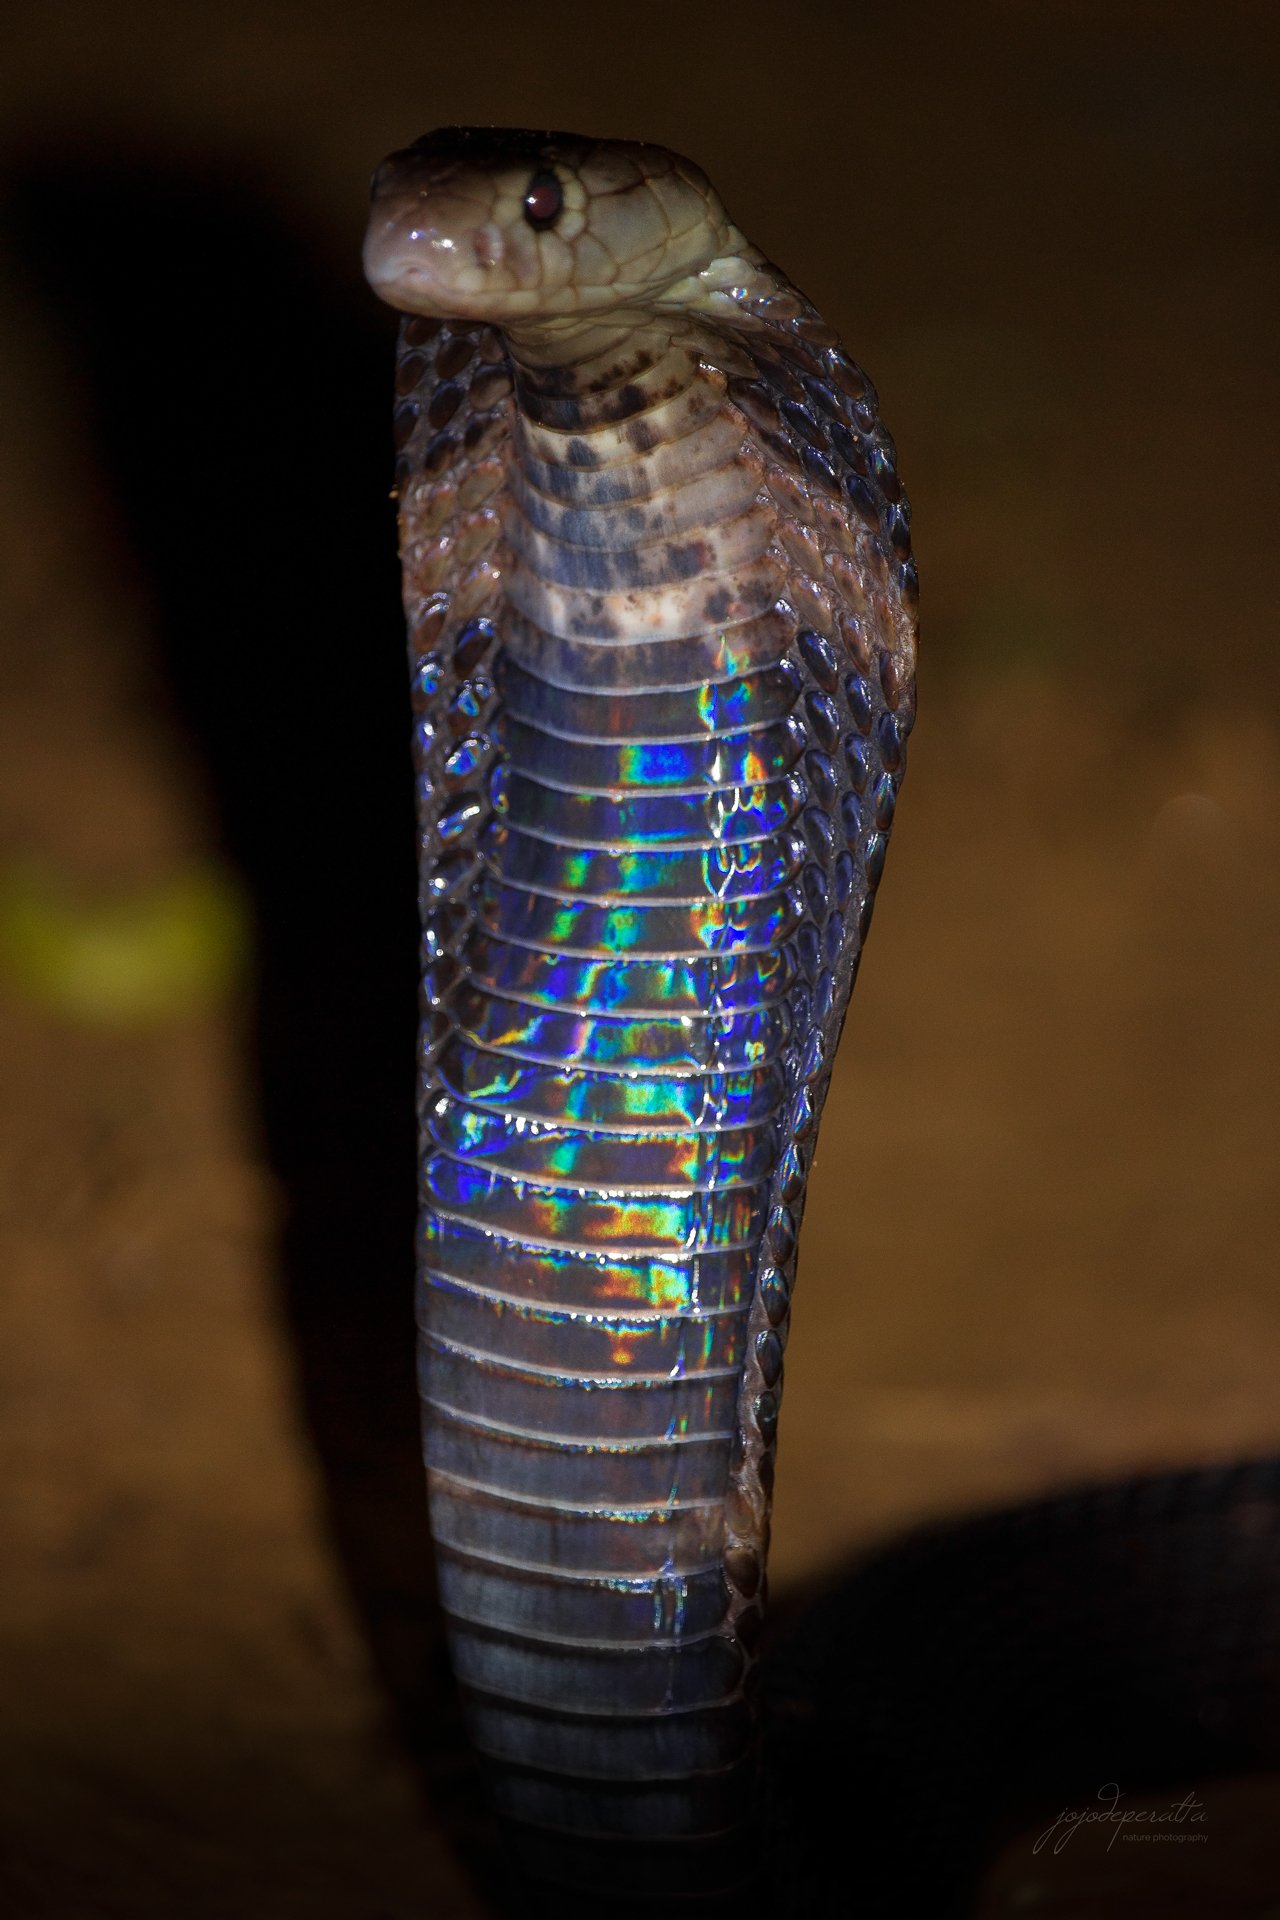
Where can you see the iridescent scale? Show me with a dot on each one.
(660, 619)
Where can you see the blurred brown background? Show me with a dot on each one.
(1040, 1250)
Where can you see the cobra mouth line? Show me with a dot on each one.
(661, 614)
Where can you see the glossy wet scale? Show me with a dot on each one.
(555, 1403)
(753, 923)
(599, 1680)
(688, 987)
(736, 870)
(581, 1217)
(577, 1472)
(724, 816)
(560, 1155)
(614, 1101)
(583, 1342)
(680, 766)
(688, 713)
(573, 1278)
(719, 1043)
(538, 1532)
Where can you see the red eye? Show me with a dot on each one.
(543, 200)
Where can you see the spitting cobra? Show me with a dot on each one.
(661, 614)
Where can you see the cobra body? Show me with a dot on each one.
(660, 605)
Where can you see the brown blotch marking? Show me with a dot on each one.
(686, 561)
(591, 624)
(561, 416)
(629, 400)
(640, 435)
(598, 568)
(580, 453)
(547, 380)
(639, 362)
(716, 605)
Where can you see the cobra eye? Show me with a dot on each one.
(543, 201)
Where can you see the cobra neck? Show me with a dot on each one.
(589, 355)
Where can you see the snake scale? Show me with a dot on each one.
(661, 612)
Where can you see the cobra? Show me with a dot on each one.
(661, 614)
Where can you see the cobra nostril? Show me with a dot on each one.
(489, 246)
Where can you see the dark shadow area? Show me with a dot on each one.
(947, 1694)
(240, 401)
(917, 1710)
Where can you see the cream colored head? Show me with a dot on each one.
(518, 228)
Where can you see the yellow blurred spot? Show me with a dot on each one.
(135, 960)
